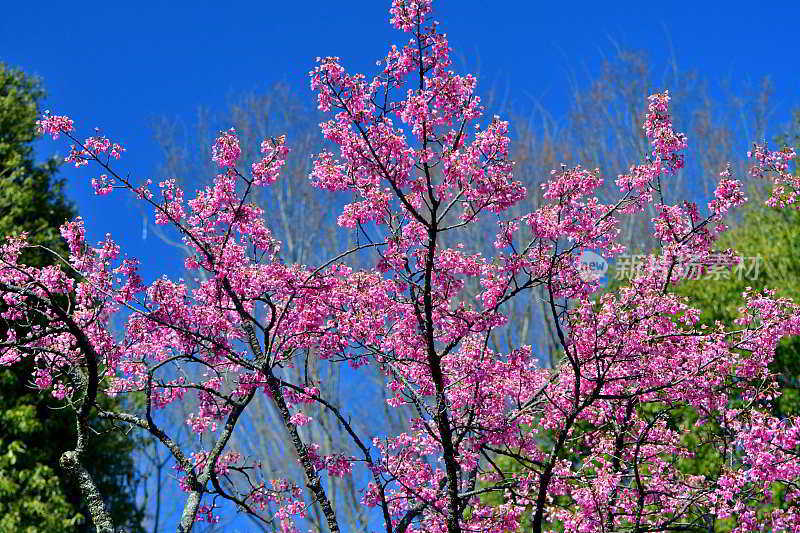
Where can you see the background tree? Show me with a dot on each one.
(34, 428)
(768, 240)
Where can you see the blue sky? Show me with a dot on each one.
(117, 65)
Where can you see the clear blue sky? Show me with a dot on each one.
(118, 64)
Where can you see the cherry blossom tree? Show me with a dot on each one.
(597, 446)
(303, 218)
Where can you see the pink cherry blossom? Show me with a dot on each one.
(226, 149)
(54, 125)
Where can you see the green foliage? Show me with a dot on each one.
(34, 431)
(770, 240)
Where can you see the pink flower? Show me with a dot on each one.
(225, 150)
(54, 125)
(300, 419)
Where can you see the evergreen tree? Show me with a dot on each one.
(33, 431)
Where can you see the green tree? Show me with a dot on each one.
(769, 241)
(33, 431)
